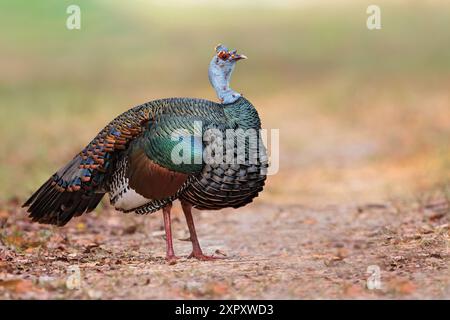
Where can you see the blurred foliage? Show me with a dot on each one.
(358, 110)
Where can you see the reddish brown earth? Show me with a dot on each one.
(279, 252)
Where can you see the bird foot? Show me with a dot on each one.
(172, 259)
(202, 257)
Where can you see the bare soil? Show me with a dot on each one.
(272, 252)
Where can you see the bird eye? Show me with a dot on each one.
(223, 55)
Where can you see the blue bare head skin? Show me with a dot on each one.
(220, 69)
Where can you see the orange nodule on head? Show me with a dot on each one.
(225, 54)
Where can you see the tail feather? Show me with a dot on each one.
(63, 196)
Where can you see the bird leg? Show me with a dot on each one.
(197, 252)
(170, 254)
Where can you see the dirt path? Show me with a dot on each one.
(280, 252)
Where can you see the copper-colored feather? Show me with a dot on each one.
(150, 179)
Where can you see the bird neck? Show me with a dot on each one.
(227, 95)
(220, 80)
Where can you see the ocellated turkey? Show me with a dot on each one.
(131, 159)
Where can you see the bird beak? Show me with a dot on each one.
(239, 57)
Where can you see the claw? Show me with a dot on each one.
(202, 257)
(171, 260)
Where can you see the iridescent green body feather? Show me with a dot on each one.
(150, 127)
(133, 157)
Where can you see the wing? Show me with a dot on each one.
(142, 136)
(161, 163)
(80, 185)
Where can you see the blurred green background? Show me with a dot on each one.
(363, 115)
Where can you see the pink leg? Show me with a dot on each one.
(170, 255)
(197, 252)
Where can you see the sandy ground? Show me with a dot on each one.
(272, 252)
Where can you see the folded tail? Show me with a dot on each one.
(68, 193)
